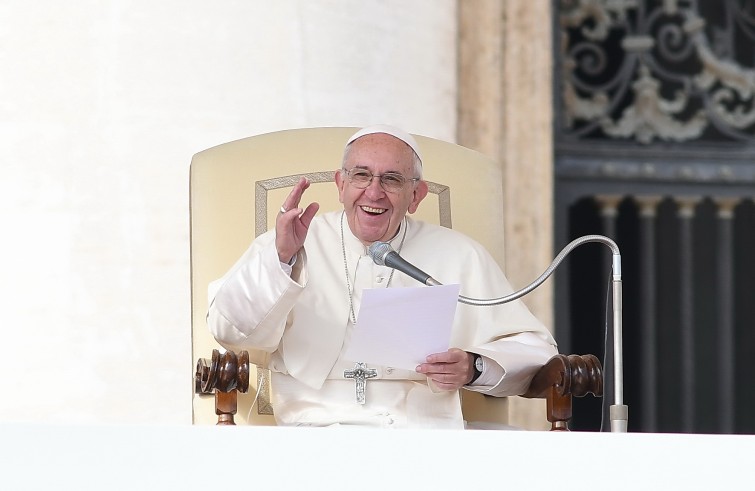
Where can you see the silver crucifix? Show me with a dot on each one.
(360, 374)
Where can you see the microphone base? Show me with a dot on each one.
(619, 414)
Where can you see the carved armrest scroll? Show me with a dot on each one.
(225, 376)
(564, 377)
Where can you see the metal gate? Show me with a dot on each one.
(655, 148)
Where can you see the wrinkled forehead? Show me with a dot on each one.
(380, 153)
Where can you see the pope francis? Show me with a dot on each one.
(295, 295)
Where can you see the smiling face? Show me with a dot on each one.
(372, 213)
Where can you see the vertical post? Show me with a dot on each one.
(226, 406)
(559, 408)
(648, 313)
(609, 211)
(725, 290)
(686, 215)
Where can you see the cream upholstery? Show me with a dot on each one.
(236, 190)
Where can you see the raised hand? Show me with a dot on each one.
(292, 224)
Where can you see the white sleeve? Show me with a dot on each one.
(511, 362)
(249, 306)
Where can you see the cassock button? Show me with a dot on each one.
(389, 370)
(379, 279)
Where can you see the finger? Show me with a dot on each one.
(446, 387)
(287, 217)
(294, 197)
(454, 355)
(309, 214)
(435, 371)
(436, 368)
(439, 358)
(446, 384)
(444, 378)
(291, 203)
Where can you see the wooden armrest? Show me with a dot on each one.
(226, 376)
(562, 378)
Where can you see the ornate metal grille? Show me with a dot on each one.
(669, 70)
(655, 147)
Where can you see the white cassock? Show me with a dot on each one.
(299, 325)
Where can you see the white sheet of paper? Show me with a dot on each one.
(399, 327)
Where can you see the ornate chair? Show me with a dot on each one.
(230, 188)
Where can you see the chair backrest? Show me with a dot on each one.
(236, 189)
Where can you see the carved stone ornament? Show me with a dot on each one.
(658, 70)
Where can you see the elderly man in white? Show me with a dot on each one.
(296, 292)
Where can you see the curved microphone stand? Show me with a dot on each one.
(384, 255)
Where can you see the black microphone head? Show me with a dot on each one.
(378, 250)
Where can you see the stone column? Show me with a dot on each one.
(506, 111)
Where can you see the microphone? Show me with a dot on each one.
(383, 254)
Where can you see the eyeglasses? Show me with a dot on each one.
(391, 182)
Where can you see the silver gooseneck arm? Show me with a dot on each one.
(618, 412)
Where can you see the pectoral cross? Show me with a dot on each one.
(360, 374)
